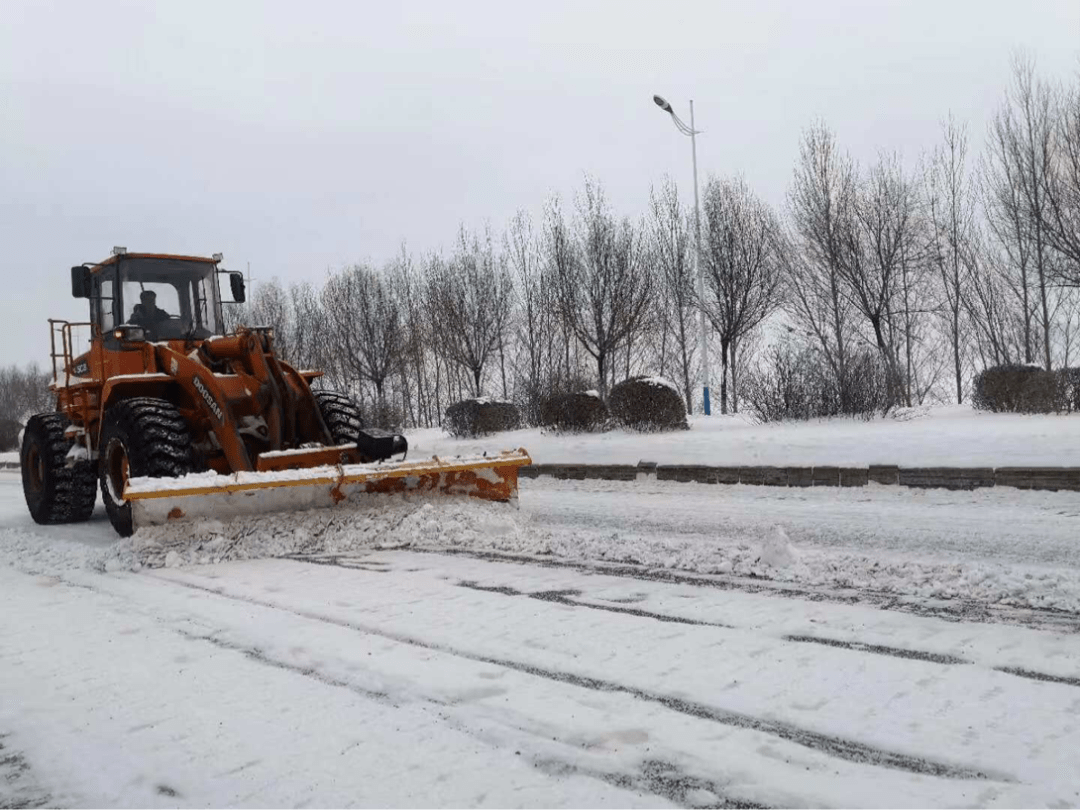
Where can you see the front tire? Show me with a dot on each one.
(143, 437)
(55, 492)
(342, 416)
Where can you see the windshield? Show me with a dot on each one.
(171, 299)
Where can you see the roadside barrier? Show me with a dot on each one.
(961, 478)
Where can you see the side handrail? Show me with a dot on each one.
(65, 354)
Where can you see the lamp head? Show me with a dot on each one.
(662, 104)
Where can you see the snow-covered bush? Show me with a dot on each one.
(797, 383)
(574, 413)
(648, 404)
(384, 415)
(1069, 380)
(1023, 389)
(9, 434)
(480, 417)
(533, 394)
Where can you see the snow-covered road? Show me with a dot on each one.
(589, 670)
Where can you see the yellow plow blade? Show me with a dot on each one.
(155, 501)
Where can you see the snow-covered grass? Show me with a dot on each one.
(947, 436)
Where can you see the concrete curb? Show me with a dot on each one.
(962, 478)
(958, 478)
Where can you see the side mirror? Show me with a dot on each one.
(236, 284)
(80, 282)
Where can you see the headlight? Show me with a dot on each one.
(130, 333)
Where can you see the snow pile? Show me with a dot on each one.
(35, 554)
(368, 522)
(777, 551)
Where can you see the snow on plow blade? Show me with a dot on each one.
(156, 501)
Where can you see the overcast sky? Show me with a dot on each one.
(301, 137)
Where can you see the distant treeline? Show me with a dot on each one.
(873, 286)
(23, 392)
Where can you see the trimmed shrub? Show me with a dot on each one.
(648, 404)
(533, 395)
(9, 434)
(480, 417)
(574, 413)
(797, 383)
(386, 416)
(1069, 382)
(1020, 389)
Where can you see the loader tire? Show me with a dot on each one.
(142, 437)
(341, 415)
(55, 492)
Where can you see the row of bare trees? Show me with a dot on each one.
(926, 269)
(948, 265)
(23, 392)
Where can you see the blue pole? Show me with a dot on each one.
(707, 411)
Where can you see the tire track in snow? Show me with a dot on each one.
(564, 597)
(255, 654)
(1020, 672)
(17, 788)
(839, 747)
(955, 610)
(656, 777)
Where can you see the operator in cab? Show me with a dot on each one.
(146, 313)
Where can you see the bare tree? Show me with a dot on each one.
(875, 247)
(993, 310)
(469, 301)
(269, 305)
(364, 319)
(954, 252)
(742, 262)
(673, 252)
(308, 339)
(1061, 214)
(23, 393)
(603, 286)
(821, 201)
(1016, 178)
(536, 323)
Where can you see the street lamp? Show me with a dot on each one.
(689, 130)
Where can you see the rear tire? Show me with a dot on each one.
(54, 491)
(143, 437)
(341, 415)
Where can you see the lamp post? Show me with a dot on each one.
(689, 130)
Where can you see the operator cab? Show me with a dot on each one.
(166, 297)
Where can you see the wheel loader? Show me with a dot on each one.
(175, 418)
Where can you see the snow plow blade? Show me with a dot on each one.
(157, 501)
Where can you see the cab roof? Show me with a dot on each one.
(114, 259)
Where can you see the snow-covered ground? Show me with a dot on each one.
(607, 644)
(955, 436)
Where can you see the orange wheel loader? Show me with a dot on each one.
(174, 419)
